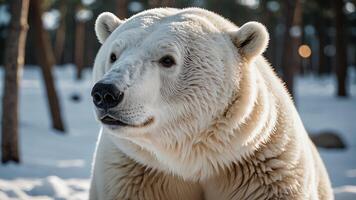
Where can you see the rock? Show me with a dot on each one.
(328, 139)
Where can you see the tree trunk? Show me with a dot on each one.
(161, 3)
(121, 9)
(290, 58)
(154, 3)
(14, 60)
(61, 33)
(168, 3)
(90, 41)
(46, 60)
(272, 47)
(320, 30)
(341, 57)
(79, 47)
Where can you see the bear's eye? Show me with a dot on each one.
(112, 58)
(167, 61)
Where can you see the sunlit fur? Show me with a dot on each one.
(224, 126)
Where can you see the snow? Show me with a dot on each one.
(54, 166)
(57, 166)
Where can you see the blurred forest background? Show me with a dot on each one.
(306, 37)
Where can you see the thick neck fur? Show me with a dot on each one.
(274, 167)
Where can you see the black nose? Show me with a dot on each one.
(106, 95)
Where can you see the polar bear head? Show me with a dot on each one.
(164, 76)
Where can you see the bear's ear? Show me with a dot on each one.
(105, 24)
(251, 39)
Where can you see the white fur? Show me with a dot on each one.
(224, 126)
(255, 32)
(105, 24)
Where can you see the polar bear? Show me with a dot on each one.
(190, 109)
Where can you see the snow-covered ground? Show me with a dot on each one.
(56, 166)
(320, 110)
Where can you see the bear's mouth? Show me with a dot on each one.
(111, 121)
(108, 120)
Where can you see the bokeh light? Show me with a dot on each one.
(304, 51)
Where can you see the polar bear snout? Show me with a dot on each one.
(114, 111)
(106, 95)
